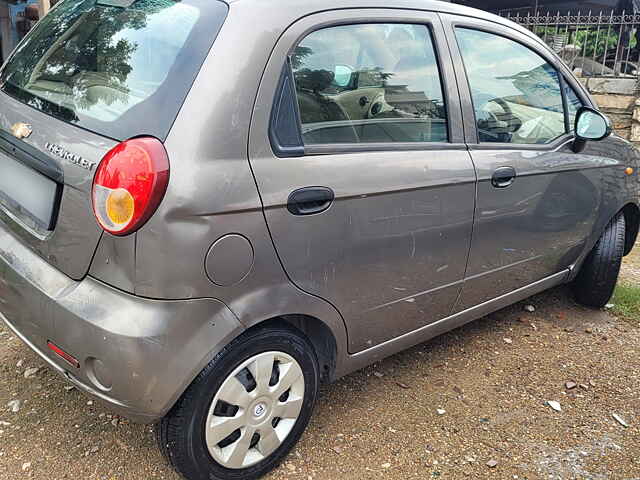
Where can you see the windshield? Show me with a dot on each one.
(120, 71)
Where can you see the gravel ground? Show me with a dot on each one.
(444, 409)
(631, 270)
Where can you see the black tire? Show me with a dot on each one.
(181, 434)
(598, 276)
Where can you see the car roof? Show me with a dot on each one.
(308, 7)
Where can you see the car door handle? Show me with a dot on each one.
(310, 200)
(503, 177)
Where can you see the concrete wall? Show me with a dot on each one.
(619, 99)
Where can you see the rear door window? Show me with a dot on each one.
(119, 68)
(369, 83)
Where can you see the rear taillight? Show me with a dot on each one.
(129, 184)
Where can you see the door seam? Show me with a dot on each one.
(446, 27)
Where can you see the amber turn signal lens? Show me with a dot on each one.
(120, 206)
(629, 171)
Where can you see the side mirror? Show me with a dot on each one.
(342, 75)
(591, 125)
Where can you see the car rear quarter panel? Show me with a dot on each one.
(212, 193)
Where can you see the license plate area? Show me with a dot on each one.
(28, 194)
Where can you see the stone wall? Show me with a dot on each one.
(619, 99)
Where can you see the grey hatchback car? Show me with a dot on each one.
(207, 209)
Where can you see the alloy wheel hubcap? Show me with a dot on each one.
(255, 409)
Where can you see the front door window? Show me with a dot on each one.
(516, 94)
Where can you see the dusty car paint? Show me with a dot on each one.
(145, 305)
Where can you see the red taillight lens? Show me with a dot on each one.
(129, 184)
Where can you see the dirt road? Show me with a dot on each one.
(440, 410)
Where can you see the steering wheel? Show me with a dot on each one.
(495, 126)
(508, 116)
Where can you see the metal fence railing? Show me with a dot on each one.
(604, 44)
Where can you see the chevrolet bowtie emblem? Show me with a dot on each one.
(21, 130)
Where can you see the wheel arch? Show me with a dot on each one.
(631, 213)
(322, 337)
(317, 332)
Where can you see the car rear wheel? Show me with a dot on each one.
(245, 410)
(598, 276)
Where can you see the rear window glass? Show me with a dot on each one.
(118, 68)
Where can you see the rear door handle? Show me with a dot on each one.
(310, 200)
(503, 177)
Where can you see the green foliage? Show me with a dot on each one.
(626, 301)
(589, 41)
(299, 55)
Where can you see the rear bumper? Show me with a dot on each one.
(137, 355)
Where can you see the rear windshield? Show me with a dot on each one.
(120, 68)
